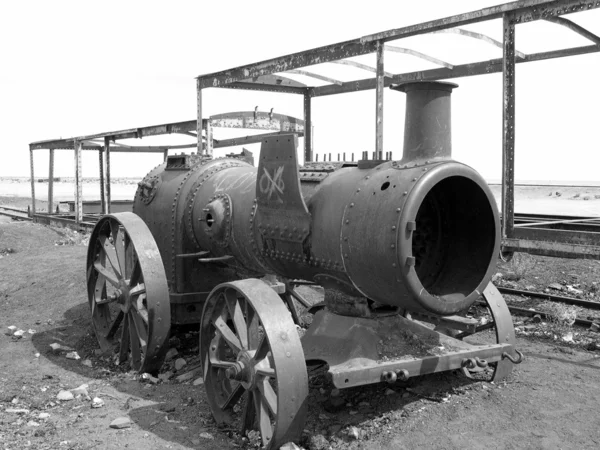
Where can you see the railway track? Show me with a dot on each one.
(14, 213)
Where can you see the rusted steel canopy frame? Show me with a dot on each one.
(479, 36)
(379, 101)
(525, 11)
(347, 62)
(107, 150)
(32, 181)
(78, 199)
(508, 127)
(50, 180)
(408, 51)
(464, 70)
(316, 76)
(574, 27)
(101, 173)
(307, 128)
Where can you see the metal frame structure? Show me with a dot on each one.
(270, 75)
(106, 144)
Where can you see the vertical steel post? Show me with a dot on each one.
(50, 180)
(32, 182)
(209, 138)
(201, 150)
(508, 126)
(308, 129)
(101, 173)
(78, 199)
(379, 101)
(107, 172)
(165, 155)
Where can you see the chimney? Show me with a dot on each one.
(427, 128)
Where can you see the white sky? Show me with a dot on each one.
(72, 68)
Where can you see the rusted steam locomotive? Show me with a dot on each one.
(394, 244)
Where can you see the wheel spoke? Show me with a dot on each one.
(140, 328)
(136, 274)
(229, 336)
(124, 349)
(134, 338)
(262, 349)
(138, 289)
(129, 256)
(109, 253)
(115, 326)
(264, 420)
(119, 245)
(268, 395)
(248, 414)
(110, 277)
(141, 309)
(235, 312)
(234, 396)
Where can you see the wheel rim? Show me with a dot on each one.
(128, 292)
(254, 369)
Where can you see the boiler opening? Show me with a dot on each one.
(454, 240)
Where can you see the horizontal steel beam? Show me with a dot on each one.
(554, 249)
(248, 86)
(463, 70)
(249, 139)
(154, 130)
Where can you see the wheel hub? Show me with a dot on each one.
(123, 296)
(243, 370)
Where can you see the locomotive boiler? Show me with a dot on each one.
(396, 245)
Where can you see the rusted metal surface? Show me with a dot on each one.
(574, 27)
(258, 120)
(253, 364)
(508, 127)
(127, 292)
(78, 193)
(479, 36)
(101, 176)
(308, 129)
(379, 99)
(408, 51)
(50, 180)
(550, 248)
(107, 151)
(550, 297)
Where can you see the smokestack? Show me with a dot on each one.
(427, 128)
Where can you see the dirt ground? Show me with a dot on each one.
(550, 401)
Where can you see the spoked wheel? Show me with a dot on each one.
(254, 369)
(128, 292)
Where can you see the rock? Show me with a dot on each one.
(19, 333)
(180, 364)
(555, 286)
(87, 363)
(31, 331)
(318, 442)
(150, 378)
(572, 290)
(17, 411)
(389, 391)
(57, 347)
(33, 423)
(496, 277)
(595, 327)
(530, 287)
(120, 423)
(188, 375)
(205, 435)
(97, 402)
(354, 433)
(43, 416)
(198, 381)
(568, 337)
(172, 353)
(364, 404)
(81, 390)
(98, 352)
(12, 329)
(65, 396)
(335, 393)
(72, 355)
(289, 446)
(165, 376)
(37, 354)
(529, 328)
